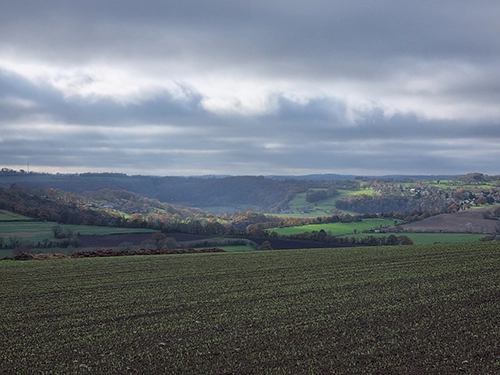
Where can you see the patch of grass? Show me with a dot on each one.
(6, 253)
(236, 248)
(302, 208)
(39, 230)
(223, 243)
(344, 193)
(455, 184)
(336, 229)
(387, 310)
(11, 216)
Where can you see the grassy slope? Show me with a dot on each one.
(323, 207)
(11, 216)
(452, 184)
(38, 230)
(236, 248)
(392, 310)
(336, 229)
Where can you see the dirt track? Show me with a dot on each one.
(470, 221)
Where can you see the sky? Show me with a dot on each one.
(274, 87)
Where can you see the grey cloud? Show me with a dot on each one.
(327, 119)
(284, 35)
(47, 101)
(316, 134)
(449, 49)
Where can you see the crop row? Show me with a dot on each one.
(392, 310)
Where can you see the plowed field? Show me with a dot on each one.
(470, 221)
(383, 310)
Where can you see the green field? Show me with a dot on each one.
(302, 208)
(38, 230)
(347, 229)
(385, 310)
(11, 216)
(336, 229)
(454, 184)
(236, 248)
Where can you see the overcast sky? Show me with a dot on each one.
(254, 87)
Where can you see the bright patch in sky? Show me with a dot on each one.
(261, 87)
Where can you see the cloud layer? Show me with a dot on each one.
(274, 87)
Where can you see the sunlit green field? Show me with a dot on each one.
(356, 230)
(301, 208)
(454, 184)
(430, 309)
(336, 229)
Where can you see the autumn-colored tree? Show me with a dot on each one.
(266, 245)
(158, 237)
(481, 200)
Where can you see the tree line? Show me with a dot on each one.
(268, 194)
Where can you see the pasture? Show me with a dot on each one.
(454, 184)
(355, 229)
(430, 309)
(39, 230)
(336, 229)
(302, 208)
(12, 216)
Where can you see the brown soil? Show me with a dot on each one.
(470, 221)
(114, 252)
(283, 244)
(43, 256)
(114, 240)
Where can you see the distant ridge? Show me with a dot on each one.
(418, 177)
(340, 177)
(308, 177)
(315, 177)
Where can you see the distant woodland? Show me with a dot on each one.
(265, 194)
(254, 204)
(176, 204)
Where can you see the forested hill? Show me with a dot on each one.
(255, 192)
(104, 207)
(235, 194)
